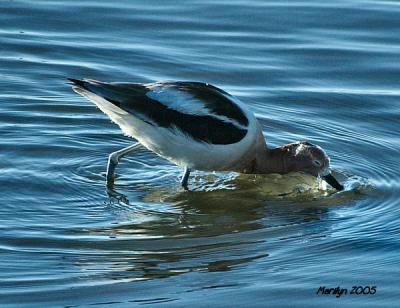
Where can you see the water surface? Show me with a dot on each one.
(323, 72)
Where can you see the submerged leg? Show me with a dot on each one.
(185, 177)
(114, 158)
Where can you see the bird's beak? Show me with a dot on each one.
(333, 182)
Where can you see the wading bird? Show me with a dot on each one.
(197, 126)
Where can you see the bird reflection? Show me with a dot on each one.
(170, 232)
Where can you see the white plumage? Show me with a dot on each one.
(173, 143)
(197, 126)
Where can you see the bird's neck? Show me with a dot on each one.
(277, 160)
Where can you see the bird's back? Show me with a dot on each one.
(186, 122)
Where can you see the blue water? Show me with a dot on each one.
(311, 70)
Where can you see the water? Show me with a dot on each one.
(310, 70)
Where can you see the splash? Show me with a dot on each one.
(287, 185)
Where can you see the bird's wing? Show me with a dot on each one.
(200, 111)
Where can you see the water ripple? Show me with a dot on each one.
(317, 71)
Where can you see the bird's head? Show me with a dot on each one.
(312, 159)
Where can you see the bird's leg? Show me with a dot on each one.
(114, 158)
(185, 177)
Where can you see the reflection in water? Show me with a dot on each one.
(214, 227)
(306, 71)
(220, 186)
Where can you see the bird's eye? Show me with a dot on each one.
(317, 163)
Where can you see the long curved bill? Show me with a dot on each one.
(333, 182)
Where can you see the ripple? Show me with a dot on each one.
(310, 71)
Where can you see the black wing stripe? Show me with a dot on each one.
(205, 128)
(215, 99)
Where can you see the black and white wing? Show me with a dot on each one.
(200, 111)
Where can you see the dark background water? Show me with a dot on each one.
(325, 72)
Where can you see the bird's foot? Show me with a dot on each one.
(112, 194)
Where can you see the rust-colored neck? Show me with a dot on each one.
(275, 160)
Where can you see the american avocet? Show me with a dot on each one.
(197, 126)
